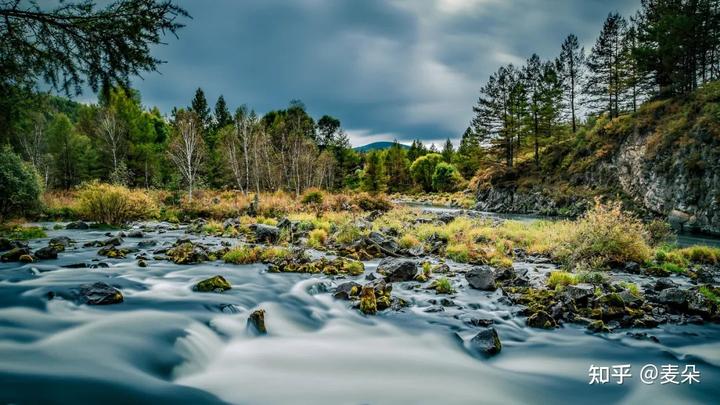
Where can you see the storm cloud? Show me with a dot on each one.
(400, 69)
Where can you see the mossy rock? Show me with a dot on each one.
(256, 322)
(213, 284)
(541, 320)
(368, 302)
(26, 259)
(612, 300)
(598, 326)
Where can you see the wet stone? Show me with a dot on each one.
(486, 342)
(256, 322)
(213, 284)
(100, 294)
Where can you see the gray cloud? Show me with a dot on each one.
(399, 68)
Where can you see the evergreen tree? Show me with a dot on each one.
(374, 179)
(606, 87)
(397, 168)
(448, 151)
(571, 63)
(416, 150)
(327, 128)
(469, 154)
(533, 76)
(222, 114)
(199, 106)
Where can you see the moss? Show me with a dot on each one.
(368, 303)
(353, 268)
(213, 284)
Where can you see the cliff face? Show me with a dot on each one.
(663, 161)
(681, 183)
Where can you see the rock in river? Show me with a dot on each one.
(541, 319)
(213, 284)
(481, 278)
(46, 253)
(100, 294)
(13, 255)
(396, 270)
(256, 322)
(486, 342)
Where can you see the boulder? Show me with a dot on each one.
(26, 259)
(112, 241)
(77, 225)
(14, 254)
(60, 243)
(146, 244)
(256, 322)
(347, 290)
(100, 294)
(674, 297)
(664, 283)
(397, 270)
(486, 342)
(46, 253)
(213, 284)
(187, 253)
(579, 292)
(266, 233)
(632, 267)
(6, 244)
(136, 234)
(542, 320)
(699, 304)
(481, 278)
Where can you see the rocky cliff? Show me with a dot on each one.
(663, 161)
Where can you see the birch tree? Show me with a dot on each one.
(187, 149)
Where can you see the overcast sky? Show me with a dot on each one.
(387, 69)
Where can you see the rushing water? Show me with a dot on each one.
(166, 343)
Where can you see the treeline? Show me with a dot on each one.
(668, 48)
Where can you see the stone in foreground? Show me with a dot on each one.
(100, 294)
(213, 284)
(256, 322)
(486, 342)
(396, 270)
(481, 278)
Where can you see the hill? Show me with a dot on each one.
(377, 146)
(660, 161)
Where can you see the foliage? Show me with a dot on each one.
(114, 205)
(561, 279)
(22, 232)
(312, 196)
(423, 168)
(317, 238)
(20, 186)
(446, 178)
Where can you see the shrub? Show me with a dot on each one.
(423, 168)
(347, 234)
(19, 184)
(317, 238)
(312, 196)
(659, 232)
(353, 267)
(274, 253)
(605, 235)
(446, 178)
(114, 205)
(367, 202)
(213, 227)
(591, 277)
(561, 279)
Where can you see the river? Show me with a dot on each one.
(166, 343)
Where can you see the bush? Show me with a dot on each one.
(312, 196)
(446, 178)
(659, 232)
(701, 254)
(317, 238)
(22, 232)
(443, 286)
(367, 202)
(114, 205)
(605, 235)
(19, 184)
(423, 168)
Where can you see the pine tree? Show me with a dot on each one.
(416, 150)
(374, 179)
(199, 106)
(448, 151)
(533, 76)
(223, 117)
(605, 87)
(571, 63)
(397, 168)
(469, 154)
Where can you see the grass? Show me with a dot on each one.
(443, 286)
(213, 227)
(561, 279)
(710, 294)
(22, 232)
(242, 255)
(317, 238)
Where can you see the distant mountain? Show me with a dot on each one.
(377, 146)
